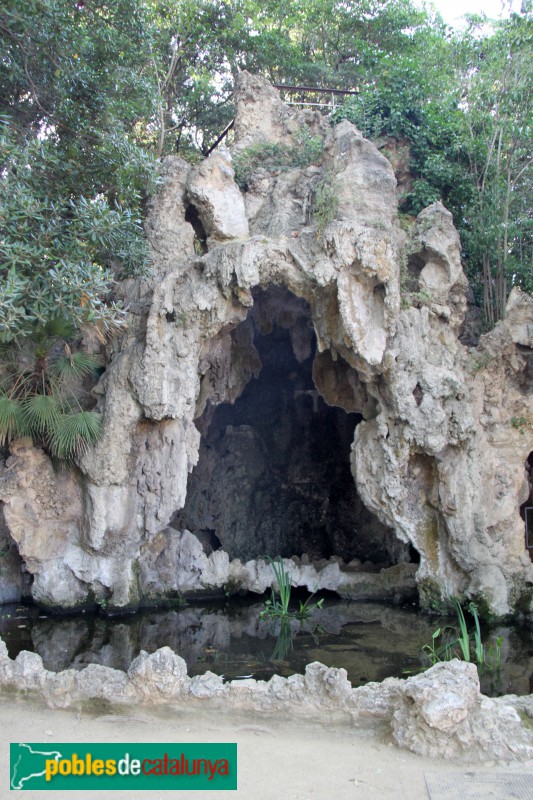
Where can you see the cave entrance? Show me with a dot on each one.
(273, 476)
(526, 509)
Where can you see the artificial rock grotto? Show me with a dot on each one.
(293, 381)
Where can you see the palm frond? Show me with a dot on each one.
(40, 413)
(75, 365)
(10, 418)
(54, 327)
(39, 393)
(72, 434)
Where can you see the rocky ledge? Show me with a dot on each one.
(440, 712)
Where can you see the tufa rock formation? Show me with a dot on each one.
(292, 382)
(440, 713)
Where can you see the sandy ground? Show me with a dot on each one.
(277, 759)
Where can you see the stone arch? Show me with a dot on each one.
(274, 476)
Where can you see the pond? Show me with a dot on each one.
(371, 641)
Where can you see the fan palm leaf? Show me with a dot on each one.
(73, 433)
(40, 413)
(10, 418)
(75, 365)
(54, 327)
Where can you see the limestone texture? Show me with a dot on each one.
(15, 583)
(444, 715)
(443, 432)
(438, 713)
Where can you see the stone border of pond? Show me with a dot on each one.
(437, 713)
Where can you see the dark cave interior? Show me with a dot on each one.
(273, 476)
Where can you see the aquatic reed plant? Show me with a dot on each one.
(463, 640)
(479, 648)
(278, 604)
(447, 642)
(433, 651)
(283, 642)
(306, 608)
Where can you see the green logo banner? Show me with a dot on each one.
(123, 766)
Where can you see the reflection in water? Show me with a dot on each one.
(371, 641)
(283, 642)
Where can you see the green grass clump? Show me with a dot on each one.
(277, 607)
(449, 642)
(276, 157)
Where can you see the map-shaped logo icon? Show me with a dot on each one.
(28, 763)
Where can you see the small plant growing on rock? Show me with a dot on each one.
(308, 150)
(275, 157)
(325, 203)
(519, 423)
(481, 361)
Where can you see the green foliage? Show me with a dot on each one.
(278, 607)
(463, 112)
(269, 156)
(277, 157)
(73, 174)
(308, 149)
(448, 642)
(463, 640)
(325, 202)
(73, 365)
(41, 394)
(11, 422)
(407, 102)
(73, 432)
(60, 255)
(326, 43)
(519, 423)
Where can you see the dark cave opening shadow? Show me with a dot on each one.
(274, 476)
(526, 509)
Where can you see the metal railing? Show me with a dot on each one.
(291, 89)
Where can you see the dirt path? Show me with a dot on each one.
(276, 759)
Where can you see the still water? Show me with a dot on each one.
(371, 641)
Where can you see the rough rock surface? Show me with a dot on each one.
(440, 712)
(217, 199)
(15, 583)
(440, 454)
(444, 715)
(187, 569)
